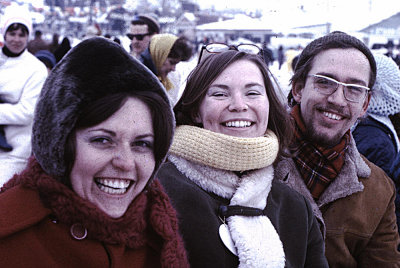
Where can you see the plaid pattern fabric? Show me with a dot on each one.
(318, 166)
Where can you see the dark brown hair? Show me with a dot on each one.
(333, 40)
(182, 49)
(17, 26)
(204, 75)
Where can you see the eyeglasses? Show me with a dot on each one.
(137, 36)
(327, 86)
(215, 48)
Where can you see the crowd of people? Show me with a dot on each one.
(104, 164)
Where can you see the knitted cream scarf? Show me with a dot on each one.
(208, 159)
(160, 46)
(223, 151)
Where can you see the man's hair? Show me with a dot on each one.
(182, 49)
(152, 24)
(330, 41)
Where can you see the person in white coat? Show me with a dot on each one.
(21, 78)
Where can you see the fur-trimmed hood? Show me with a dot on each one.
(95, 68)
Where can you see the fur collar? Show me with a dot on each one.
(345, 184)
(255, 238)
(150, 215)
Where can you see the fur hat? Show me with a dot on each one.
(385, 98)
(95, 68)
(16, 14)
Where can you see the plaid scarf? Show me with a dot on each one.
(317, 165)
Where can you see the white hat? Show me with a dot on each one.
(385, 99)
(16, 14)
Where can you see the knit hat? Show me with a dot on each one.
(94, 69)
(385, 98)
(46, 57)
(15, 14)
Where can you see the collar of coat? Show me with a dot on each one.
(255, 238)
(150, 213)
(345, 184)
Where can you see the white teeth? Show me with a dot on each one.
(332, 116)
(238, 124)
(111, 190)
(113, 186)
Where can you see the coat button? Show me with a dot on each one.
(78, 231)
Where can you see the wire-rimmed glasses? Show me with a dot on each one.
(214, 48)
(327, 86)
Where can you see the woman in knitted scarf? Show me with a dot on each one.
(230, 129)
(103, 125)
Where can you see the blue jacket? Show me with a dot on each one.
(146, 59)
(376, 142)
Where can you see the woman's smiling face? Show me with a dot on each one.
(236, 103)
(115, 159)
(16, 40)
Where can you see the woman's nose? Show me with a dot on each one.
(124, 158)
(238, 103)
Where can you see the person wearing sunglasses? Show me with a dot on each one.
(161, 57)
(142, 28)
(352, 198)
(231, 125)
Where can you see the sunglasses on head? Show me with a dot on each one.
(137, 36)
(215, 48)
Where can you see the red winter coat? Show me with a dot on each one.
(39, 218)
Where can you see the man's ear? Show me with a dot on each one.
(297, 91)
(365, 104)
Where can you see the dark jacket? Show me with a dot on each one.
(356, 212)
(199, 221)
(376, 142)
(146, 59)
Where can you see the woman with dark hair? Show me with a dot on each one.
(21, 78)
(161, 57)
(231, 126)
(88, 197)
